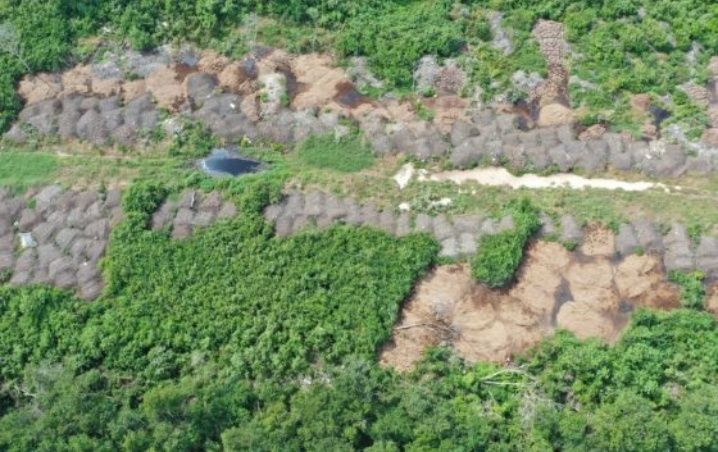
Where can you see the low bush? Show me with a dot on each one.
(693, 292)
(499, 255)
(349, 154)
(193, 140)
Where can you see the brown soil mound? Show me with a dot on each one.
(585, 322)
(640, 280)
(132, 90)
(555, 115)
(592, 283)
(448, 110)
(421, 323)
(106, 87)
(165, 85)
(540, 277)
(77, 80)
(319, 79)
(234, 78)
(597, 241)
(212, 62)
(583, 292)
(712, 300)
(40, 87)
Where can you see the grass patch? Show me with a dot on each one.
(693, 293)
(500, 255)
(348, 155)
(20, 170)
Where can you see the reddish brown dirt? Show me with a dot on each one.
(212, 62)
(347, 96)
(423, 319)
(584, 292)
(712, 300)
(36, 88)
(597, 241)
(165, 84)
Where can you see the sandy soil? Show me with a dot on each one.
(586, 292)
(502, 177)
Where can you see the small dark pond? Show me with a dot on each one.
(222, 162)
(659, 115)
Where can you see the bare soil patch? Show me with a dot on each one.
(586, 292)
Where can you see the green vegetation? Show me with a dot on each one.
(693, 292)
(68, 382)
(396, 38)
(235, 339)
(264, 307)
(348, 154)
(193, 140)
(629, 47)
(21, 170)
(620, 47)
(499, 255)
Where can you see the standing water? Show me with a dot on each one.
(225, 162)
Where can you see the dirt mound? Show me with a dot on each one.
(106, 87)
(132, 90)
(712, 300)
(77, 81)
(319, 80)
(447, 111)
(165, 85)
(585, 292)
(710, 137)
(594, 132)
(585, 322)
(555, 115)
(597, 241)
(237, 79)
(421, 324)
(540, 276)
(592, 283)
(36, 88)
(640, 280)
(276, 60)
(211, 62)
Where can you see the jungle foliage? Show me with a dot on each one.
(693, 292)
(499, 255)
(235, 339)
(60, 394)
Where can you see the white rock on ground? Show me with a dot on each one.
(26, 240)
(501, 177)
(404, 175)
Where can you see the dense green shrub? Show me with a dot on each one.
(239, 340)
(499, 255)
(34, 35)
(693, 292)
(268, 306)
(193, 140)
(397, 38)
(349, 154)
